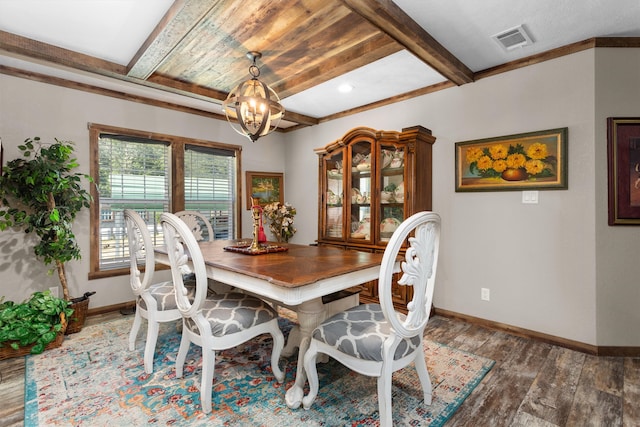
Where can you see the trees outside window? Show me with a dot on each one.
(155, 173)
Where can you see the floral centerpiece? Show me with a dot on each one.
(279, 218)
(511, 163)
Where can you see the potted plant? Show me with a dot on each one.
(40, 193)
(32, 326)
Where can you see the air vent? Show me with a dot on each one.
(513, 38)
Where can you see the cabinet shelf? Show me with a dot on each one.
(392, 171)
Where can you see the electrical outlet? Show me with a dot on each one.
(54, 291)
(484, 294)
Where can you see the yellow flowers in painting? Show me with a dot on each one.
(512, 162)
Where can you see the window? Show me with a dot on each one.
(207, 174)
(151, 174)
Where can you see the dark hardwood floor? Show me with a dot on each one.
(532, 383)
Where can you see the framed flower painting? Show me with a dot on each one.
(526, 161)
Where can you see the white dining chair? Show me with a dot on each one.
(375, 339)
(219, 322)
(198, 223)
(202, 230)
(155, 302)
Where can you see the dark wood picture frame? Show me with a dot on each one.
(525, 161)
(623, 159)
(267, 187)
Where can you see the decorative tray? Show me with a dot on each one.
(262, 249)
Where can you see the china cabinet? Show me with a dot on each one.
(370, 181)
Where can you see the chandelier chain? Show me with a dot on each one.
(254, 70)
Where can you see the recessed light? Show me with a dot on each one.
(345, 88)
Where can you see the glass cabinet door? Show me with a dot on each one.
(360, 191)
(392, 192)
(334, 167)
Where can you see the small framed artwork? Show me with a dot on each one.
(267, 187)
(525, 161)
(623, 155)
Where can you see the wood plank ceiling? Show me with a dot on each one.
(198, 49)
(304, 43)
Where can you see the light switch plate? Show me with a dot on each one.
(530, 197)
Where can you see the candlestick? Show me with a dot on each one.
(256, 212)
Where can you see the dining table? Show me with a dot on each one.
(295, 276)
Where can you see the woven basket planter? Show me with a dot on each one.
(77, 319)
(7, 352)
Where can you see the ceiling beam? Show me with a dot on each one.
(390, 19)
(187, 89)
(89, 88)
(19, 45)
(175, 25)
(300, 119)
(204, 93)
(33, 49)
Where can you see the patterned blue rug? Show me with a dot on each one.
(94, 380)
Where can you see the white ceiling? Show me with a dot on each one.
(114, 30)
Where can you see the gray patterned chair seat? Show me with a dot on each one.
(164, 295)
(233, 312)
(375, 339)
(360, 332)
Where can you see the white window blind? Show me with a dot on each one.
(134, 174)
(210, 186)
(133, 170)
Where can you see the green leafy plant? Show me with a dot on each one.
(40, 193)
(390, 188)
(34, 322)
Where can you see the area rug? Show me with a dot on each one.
(94, 380)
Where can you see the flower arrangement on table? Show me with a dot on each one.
(512, 163)
(279, 218)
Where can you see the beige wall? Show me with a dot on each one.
(617, 77)
(537, 260)
(555, 267)
(29, 109)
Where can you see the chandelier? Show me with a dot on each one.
(253, 109)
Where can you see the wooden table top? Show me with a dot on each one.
(299, 266)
